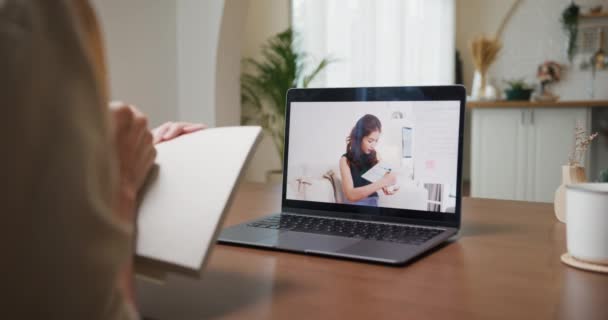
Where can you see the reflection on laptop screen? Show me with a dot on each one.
(392, 154)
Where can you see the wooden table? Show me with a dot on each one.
(505, 265)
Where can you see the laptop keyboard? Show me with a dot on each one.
(348, 228)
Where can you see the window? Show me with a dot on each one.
(378, 42)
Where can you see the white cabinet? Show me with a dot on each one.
(517, 153)
(498, 153)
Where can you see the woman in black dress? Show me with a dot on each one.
(361, 156)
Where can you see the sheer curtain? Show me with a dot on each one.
(378, 42)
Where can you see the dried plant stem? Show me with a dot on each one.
(581, 144)
(484, 51)
(506, 19)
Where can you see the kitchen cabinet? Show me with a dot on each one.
(517, 153)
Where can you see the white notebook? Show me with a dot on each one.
(377, 172)
(182, 209)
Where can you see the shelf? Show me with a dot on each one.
(594, 15)
(537, 104)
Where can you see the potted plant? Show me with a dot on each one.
(603, 176)
(265, 82)
(569, 20)
(518, 89)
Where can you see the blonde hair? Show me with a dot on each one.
(94, 41)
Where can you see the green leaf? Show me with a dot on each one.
(308, 78)
(266, 80)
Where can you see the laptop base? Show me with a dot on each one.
(329, 245)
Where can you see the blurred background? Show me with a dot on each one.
(185, 60)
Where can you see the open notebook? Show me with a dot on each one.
(185, 202)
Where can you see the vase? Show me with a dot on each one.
(545, 93)
(475, 92)
(481, 89)
(570, 175)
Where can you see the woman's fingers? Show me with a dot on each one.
(149, 160)
(144, 146)
(122, 116)
(160, 131)
(134, 148)
(389, 179)
(389, 191)
(193, 127)
(140, 128)
(171, 130)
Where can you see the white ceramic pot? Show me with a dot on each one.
(587, 228)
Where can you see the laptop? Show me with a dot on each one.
(371, 174)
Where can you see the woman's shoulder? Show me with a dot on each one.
(344, 160)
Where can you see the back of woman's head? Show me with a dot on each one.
(363, 128)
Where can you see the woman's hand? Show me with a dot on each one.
(390, 191)
(388, 180)
(170, 130)
(136, 154)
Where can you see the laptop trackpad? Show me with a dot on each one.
(301, 241)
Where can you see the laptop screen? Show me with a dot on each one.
(374, 155)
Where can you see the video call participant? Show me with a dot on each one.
(361, 156)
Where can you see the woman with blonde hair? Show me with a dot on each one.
(71, 167)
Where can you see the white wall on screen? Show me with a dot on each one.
(436, 145)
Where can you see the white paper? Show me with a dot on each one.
(181, 211)
(377, 172)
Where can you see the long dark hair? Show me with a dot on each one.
(364, 127)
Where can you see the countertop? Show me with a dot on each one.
(537, 104)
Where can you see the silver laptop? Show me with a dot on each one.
(370, 174)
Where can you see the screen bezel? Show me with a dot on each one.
(419, 93)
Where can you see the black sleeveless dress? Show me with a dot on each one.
(357, 172)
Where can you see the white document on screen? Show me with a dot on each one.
(377, 172)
